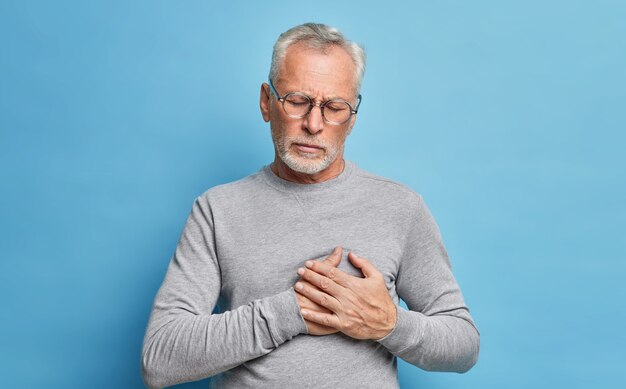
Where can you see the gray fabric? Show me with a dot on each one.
(239, 252)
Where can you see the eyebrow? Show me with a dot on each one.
(328, 98)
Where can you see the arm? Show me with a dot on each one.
(184, 341)
(437, 332)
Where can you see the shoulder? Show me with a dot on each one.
(386, 189)
(232, 191)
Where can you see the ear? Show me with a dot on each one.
(264, 101)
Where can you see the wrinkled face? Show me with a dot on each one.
(309, 145)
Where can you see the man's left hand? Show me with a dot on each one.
(360, 307)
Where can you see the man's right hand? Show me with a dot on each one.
(304, 302)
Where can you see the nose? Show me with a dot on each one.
(314, 122)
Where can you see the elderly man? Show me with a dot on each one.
(292, 277)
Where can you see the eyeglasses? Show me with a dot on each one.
(298, 105)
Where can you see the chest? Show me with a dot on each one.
(259, 256)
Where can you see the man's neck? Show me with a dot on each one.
(286, 173)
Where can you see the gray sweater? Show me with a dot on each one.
(227, 305)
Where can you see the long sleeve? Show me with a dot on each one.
(184, 340)
(437, 333)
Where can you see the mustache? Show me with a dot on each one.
(288, 141)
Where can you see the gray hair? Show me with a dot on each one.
(320, 37)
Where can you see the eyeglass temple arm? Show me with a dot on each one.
(358, 102)
(273, 89)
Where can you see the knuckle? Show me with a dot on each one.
(324, 283)
(332, 273)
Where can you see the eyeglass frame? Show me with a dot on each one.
(353, 111)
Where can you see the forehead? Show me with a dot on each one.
(329, 72)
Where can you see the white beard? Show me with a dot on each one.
(303, 162)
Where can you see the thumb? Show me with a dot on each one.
(363, 264)
(335, 257)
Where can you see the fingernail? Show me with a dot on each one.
(299, 286)
(308, 264)
(300, 271)
(303, 312)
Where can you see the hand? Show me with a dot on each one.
(359, 307)
(305, 303)
(312, 327)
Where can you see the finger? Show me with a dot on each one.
(310, 305)
(306, 283)
(325, 319)
(334, 258)
(331, 272)
(364, 265)
(318, 297)
(318, 329)
(321, 282)
(306, 303)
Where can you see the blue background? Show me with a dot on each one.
(509, 117)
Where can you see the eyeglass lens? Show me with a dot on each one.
(334, 111)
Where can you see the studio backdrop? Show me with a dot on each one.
(508, 117)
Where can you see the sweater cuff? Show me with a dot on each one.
(282, 313)
(409, 325)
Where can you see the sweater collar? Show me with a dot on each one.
(294, 187)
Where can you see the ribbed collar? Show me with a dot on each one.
(293, 187)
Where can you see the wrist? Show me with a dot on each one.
(389, 323)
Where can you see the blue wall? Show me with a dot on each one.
(509, 117)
